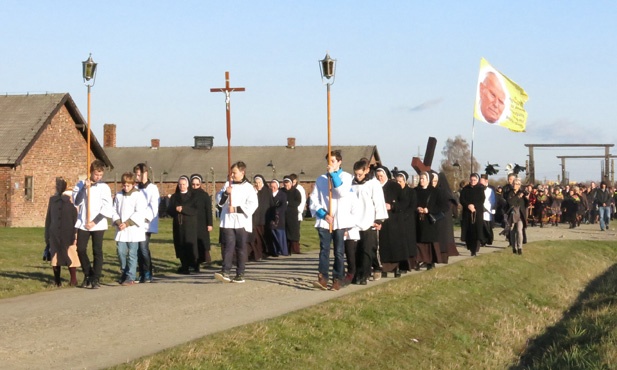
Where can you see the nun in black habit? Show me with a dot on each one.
(406, 211)
(430, 204)
(445, 225)
(183, 208)
(391, 249)
(204, 220)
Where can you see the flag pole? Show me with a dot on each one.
(473, 129)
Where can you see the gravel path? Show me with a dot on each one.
(91, 329)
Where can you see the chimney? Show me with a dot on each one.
(291, 142)
(203, 142)
(155, 143)
(109, 135)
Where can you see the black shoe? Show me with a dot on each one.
(95, 284)
(397, 274)
(183, 270)
(430, 266)
(85, 283)
(520, 251)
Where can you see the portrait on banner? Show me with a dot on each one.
(492, 97)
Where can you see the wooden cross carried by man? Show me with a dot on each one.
(425, 165)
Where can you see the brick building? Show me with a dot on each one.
(167, 164)
(42, 137)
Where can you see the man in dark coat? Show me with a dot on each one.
(472, 224)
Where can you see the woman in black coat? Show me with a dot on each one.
(275, 219)
(183, 209)
(60, 233)
(472, 222)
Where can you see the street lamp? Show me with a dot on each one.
(327, 67)
(89, 75)
(270, 164)
(460, 170)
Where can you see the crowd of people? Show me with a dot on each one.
(374, 222)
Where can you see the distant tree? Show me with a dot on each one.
(456, 161)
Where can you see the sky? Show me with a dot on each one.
(406, 70)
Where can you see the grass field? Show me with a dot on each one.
(553, 309)
(22, 270)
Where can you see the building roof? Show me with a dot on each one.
(169, 163)
(24, 117)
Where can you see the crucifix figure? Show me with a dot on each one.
(228, 90)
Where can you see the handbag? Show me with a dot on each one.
(434, 217)
(46, 253)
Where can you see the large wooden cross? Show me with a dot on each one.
(420, 165)
(228, 90)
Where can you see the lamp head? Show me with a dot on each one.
(89, 69)
(328, 68)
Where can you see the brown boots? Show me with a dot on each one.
(321, 283)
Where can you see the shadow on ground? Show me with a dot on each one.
(574, 342)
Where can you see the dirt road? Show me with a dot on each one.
(91, 329)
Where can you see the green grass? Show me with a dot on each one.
(22, 270)
(553, 308)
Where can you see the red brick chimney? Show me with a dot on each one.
(291, 142)
(155, 143)
(109, 135)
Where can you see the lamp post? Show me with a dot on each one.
(270, 164)
(89, 76)
(327, 67)
(460, 170)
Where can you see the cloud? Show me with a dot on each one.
(566, 131)
(426, 105)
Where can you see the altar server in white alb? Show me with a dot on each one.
(131, 220)
(238, 201)
(152, 195)
(100, 210)
(338, 217)
(369, 211)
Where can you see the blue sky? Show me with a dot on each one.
(406, 70)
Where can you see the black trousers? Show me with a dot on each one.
(93, 272)
(366, 253)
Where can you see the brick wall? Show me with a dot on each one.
(60, 151)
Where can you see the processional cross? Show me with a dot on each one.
(228, 90)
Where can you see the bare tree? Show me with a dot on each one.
(456, 161)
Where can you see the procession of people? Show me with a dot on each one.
(374, 222)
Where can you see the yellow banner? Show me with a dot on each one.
(499, 100)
